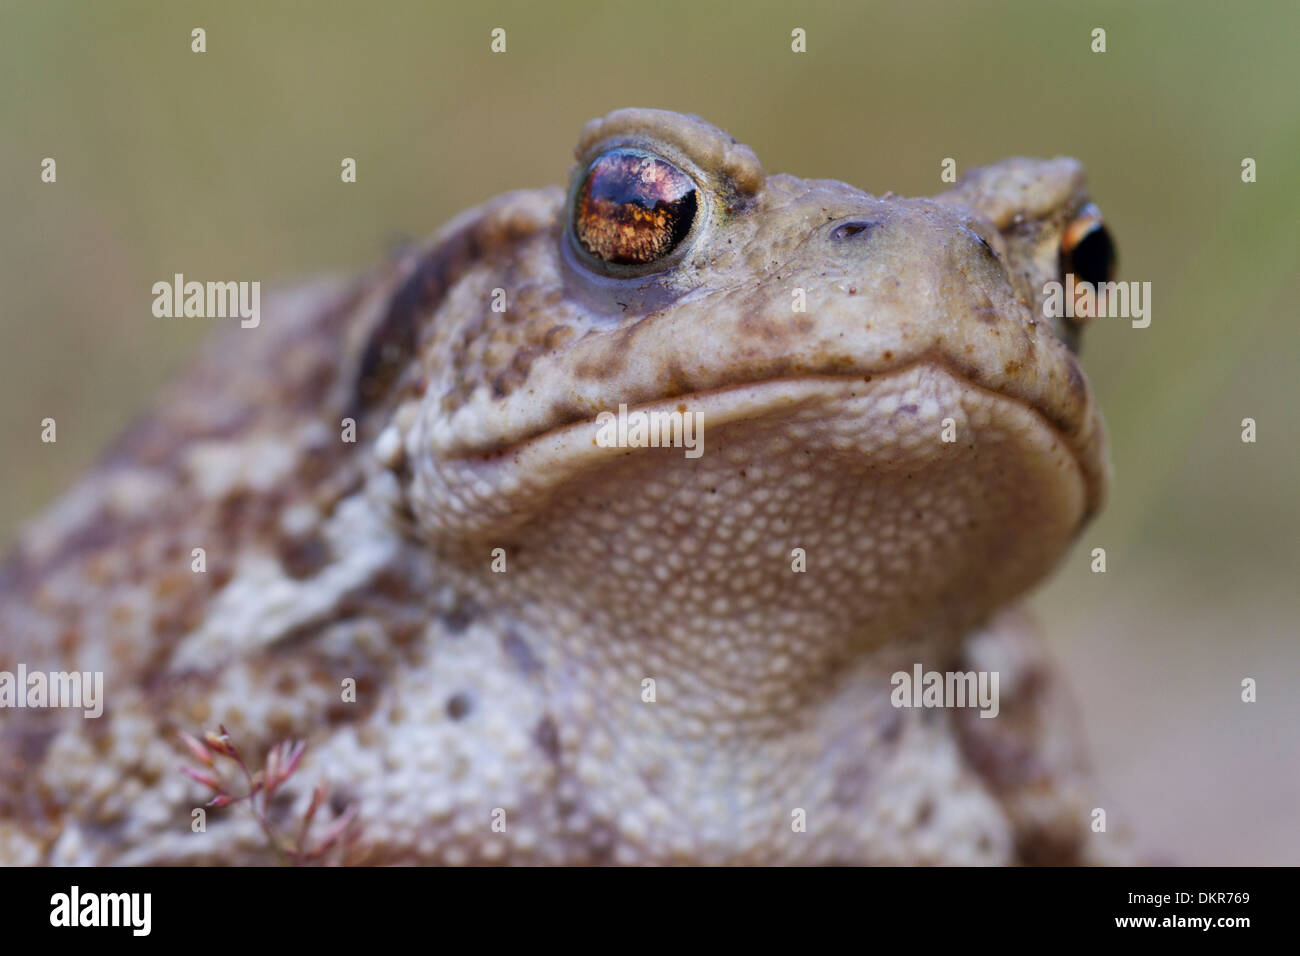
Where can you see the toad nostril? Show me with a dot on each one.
(853, 228)
(983, 243)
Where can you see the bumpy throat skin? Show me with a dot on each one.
(566, 651)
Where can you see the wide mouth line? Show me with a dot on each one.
(928, 359)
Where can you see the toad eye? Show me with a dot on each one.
(633, 208)
(1086, 248)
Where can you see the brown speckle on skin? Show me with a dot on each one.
(924, 812)
(303, 556)
(459, 706)
(461, 616)
(547, 736)
(557, 336)
(1078, 384)
(892, 727)
(520, 654)
(601, 840)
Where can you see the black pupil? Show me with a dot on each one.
(1093, 259)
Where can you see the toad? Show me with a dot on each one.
(381, 522)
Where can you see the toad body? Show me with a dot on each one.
(507, 639)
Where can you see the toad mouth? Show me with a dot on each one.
(579, 439)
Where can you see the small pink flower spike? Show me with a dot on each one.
(196, 749)
(203, 777)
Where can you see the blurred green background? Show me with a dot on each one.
(226, 165)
